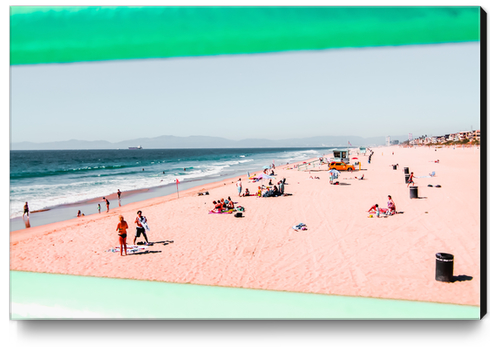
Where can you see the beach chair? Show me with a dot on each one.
(432, 174)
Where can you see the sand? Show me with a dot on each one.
(342, 251)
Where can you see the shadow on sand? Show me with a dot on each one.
(461, 278)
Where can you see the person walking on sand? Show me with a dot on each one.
(410, 180)
(119, 197)
(239, 186)
(26, 210)
(141, 227)
(107, 203)
(122, 232)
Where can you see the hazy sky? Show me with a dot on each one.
(429, 89)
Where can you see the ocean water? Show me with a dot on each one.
(47, 179)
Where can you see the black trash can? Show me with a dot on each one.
(407, 176)
(407, 170)
(394, 167)
(444, 267)
(414, 192)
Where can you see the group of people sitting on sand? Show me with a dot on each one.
(391, 210)
(223, 205)
(266, 191)
(276, 190)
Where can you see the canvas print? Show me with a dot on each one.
(246, 162)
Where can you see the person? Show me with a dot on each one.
(373, 208)
(107, 203)
(79, 214)
(275, 191)
(334, 174)
(391, 206)
(239, 186)
(118, 194)
(410, 179)
(141, 227)
(259, 192)
(267, 193)
(377, 211)
(270, 182)
(26, 210)
(360, 178)
(247, 192)
(122, 231)
(217, 205)
(98, 207)
(281, 187)
(231, 205)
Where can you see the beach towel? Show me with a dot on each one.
(220, 212)
(300, 226)
(144, 223)
(130, 249)
(381, 210)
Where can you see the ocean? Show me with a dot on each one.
(47, 179)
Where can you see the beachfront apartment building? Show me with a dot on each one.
(476, 135)
(473, 135)
(463, 135)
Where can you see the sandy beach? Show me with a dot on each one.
(342, 252)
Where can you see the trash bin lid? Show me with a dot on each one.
(444, 257)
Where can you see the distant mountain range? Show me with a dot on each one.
(208, 142)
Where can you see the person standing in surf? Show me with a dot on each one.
(119, 197)
(26, 210)
(107, 203)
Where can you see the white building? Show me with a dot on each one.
(388, 140)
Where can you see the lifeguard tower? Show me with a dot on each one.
(362, 150)
(341, 155)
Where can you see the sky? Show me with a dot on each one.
(384, 91)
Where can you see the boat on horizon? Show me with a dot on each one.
(139, 147)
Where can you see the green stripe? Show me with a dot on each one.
(72, 34)
(48, 296)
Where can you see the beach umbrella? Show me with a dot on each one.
(262, 175)
(355, 158)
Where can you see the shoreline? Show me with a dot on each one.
(342, 252)
(88, 207)
(67, 212)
